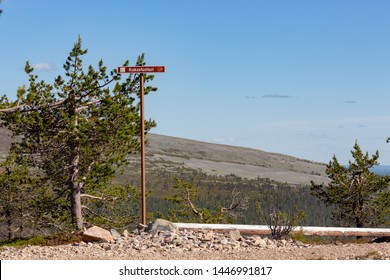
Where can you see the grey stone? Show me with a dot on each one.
(163, 225)
(115, 234)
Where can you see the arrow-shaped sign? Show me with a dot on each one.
(141, 69)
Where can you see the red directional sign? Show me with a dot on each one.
(140, 69)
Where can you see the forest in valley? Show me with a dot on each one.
(257, 197)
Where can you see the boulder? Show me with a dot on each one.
(97, 234)
(163, 225)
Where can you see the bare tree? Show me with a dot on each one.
(281, 223)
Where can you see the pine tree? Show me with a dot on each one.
(78, 130)
(359, 196)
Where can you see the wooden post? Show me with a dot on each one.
(143, 169)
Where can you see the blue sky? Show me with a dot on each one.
(303, 78)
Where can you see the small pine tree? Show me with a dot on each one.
(359, 196)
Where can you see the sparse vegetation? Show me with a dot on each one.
(281, 223)
(39, 240)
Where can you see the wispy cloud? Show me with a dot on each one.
(250, 97)
(43, 66)
(276, 96)
(351, 101)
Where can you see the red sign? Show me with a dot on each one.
(140, 69)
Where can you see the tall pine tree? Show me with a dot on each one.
(78, 130)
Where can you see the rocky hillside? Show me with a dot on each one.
(171, 152)
(216, 159)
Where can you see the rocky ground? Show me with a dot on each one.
(197, 245)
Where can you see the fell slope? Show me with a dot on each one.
(248, 163)
(216, 159)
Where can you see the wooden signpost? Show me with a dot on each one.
(141, 70)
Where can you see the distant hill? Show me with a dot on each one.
(215, 159)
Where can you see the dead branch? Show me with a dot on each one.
(91, 196)
(196, 212)
(234, 204)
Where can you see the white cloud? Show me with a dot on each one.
(43, 66)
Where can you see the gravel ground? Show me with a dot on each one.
(199, 246)
(113, 252)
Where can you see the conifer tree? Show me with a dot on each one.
(78, 130)
(359, 196)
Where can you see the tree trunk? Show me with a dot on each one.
(75, 199)
(75, 187)
(74, 184)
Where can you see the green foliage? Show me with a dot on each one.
(119, 207)
(300, 236)
(39, 240)
(33, 241)
(360, 197)
(76, 132)
(18, 193)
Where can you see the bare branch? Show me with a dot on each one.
(86, 106)
(196, 212)
(91, 196)
(13, 109)
(233, 204)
